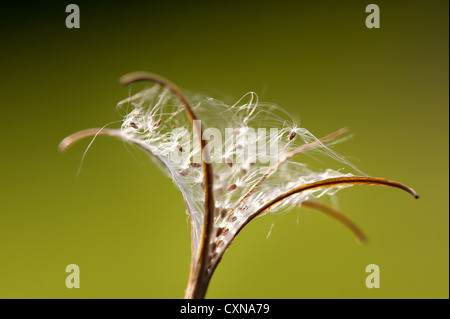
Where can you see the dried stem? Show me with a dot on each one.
(345, 220)
(327, 183)
(75, 137)
(196, 284)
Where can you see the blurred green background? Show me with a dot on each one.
(124, 223)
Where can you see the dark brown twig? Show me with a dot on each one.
(196, 285)
(327, 183)
(336, 214)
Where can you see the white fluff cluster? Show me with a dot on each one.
(157, 122)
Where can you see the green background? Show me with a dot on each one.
(124, 223)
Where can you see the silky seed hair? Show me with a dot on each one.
(163, 127)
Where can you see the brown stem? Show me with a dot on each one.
(327, 183)
(68, 141)
(336, 214)
(197, 285)
(75, 137)
(72, 139)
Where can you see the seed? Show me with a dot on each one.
(216, 210)
(133, 125)
(219, 231)
(292, 135)
(229, 162)
(233, 219)
(202, 185)
(223, 212)
(239, 147)
(180, 148)
(235, 132)
(219, 191)
(157, 123)
(219, 243)
(183, 173)
(231, 188)
(195, 164)
(229, 218)
(225, 230)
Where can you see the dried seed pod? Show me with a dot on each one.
(158, 142)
